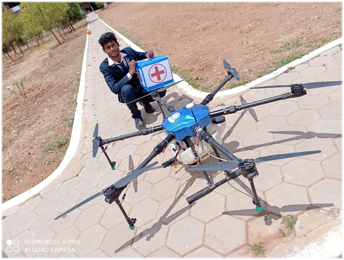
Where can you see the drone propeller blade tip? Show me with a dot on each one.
(95, 133)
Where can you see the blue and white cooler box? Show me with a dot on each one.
(154, 73)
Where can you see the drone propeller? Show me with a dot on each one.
(250, 110)
(95, 133)
(159, 90)
(96, 141)
(230, 165)
(231, 70)
(220, 166)
(125, 181)
(119, 184)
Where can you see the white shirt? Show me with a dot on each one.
(111, 62)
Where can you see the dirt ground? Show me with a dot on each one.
(252, 37)
(45, 117)
(196, 37)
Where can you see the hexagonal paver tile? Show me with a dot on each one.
(333, 166)
(29, 205)
(338, 142)
(150, 237)
(291, 134)
(8, 222)
(303, 117)
(97, 254)
(288, 77)
(269, 176)
(312, 71)
(110, 178)
(24, 222)
(325, 145)
(66, 221)
(27, 234)
(327, 126)
(208, 207)
(52, 190)
(336, 96)
(164, 252)
(114, 243)
(124, 164)
(144, 211)
(287, 199)
(239, 204)
(113, 215)
(325, 192)
(257, 138)
(203, 252)
(313, 102)
(259, 93)
(65, 241)
(145, 149)
(89, 183)
(48, 203)
(141, 192)
(44, 221)
(302, 172)
(277, 150)
(243, 129)
(258, 113)
(33, 249)
(87, 195)
(321, 60)
(271, 123)
(173, 209)
(333, 75)
(283, 108)
(186, 235)
(225, 234)
(90, 240)
(69, 185)
(157, 174)
(126, 151)
(164, 189)
(89, 217)
(128, 253)
(90, 169)
(67, 201)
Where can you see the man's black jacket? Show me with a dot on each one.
(115, 77)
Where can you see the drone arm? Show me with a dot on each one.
(157, 150)
(161, 101)
(144, 131)
(297, 90)
(209, 189)
(210, 96)
(209, 139)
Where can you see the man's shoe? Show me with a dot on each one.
(139, 123)
(148, 108)
(140, 103)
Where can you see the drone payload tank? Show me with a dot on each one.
(154, 73)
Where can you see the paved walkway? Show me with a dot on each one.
(222, 224)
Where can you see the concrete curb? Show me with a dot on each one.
(74, 142)
(199, 94)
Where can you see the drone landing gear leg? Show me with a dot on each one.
(132, 221)
(162, 111)
(250, 171)
(113, 164)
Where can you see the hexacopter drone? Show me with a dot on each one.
(196, 133)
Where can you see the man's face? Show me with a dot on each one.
(112, 49)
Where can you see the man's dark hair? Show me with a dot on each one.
(107, 37)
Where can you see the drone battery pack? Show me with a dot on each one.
(154, 73)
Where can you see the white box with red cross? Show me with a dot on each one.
(154, 73)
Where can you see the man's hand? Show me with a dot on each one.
(150, 55)
(132, 70)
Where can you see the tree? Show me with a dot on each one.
(12, 29)
(74, 13)
(44, 16)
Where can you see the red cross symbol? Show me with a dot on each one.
(158, 73)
